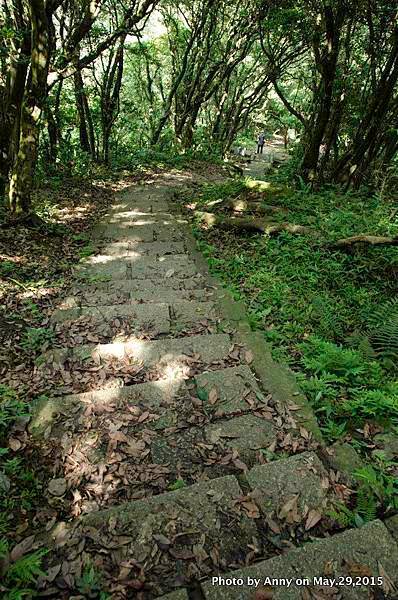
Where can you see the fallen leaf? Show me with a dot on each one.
(21, 548)
(249, 356)
(312, 519)
(213, 396)
(162, 541)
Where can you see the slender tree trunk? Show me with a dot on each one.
(326, 57)
(80, 105)
(10, 111)
(21, 181)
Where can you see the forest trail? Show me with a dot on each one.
(181, 451)
(273, 151)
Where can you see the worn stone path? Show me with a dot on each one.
(188, 452)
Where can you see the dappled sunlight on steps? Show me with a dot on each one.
(173, 461)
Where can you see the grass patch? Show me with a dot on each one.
(317, 306)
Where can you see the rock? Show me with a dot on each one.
(278, 482)
(388, 444)
(57, 487)
(344, 458)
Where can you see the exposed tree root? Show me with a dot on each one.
(249, 224)
(373, 240)
(239, 205)
(25, 220)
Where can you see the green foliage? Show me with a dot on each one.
(26, 569)
(325, 358)
(383, 329)
(37, 339)
(11, 407)
(90, 583)
(7, 267)
(87, 250)
(177, 485)
(21, 573)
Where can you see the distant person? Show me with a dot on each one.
(260, 143)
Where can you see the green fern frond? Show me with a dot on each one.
(382, 331)
(26, 569)
(366, 505)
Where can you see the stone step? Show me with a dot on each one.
(135, 217)
(169, 399)
(119, 319)
(158, 397)
(141, 268)
(142, 233)
(164, 435)
(277, 483)
(156, 295)
(179, 536)
(141, 285)
(150, 319)
(145, 232)
(136, 249)
(208, 348)
(168, 356)
(358, 554)
(231, 390)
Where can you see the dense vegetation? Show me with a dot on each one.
(95, 93)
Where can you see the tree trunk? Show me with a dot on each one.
(326, 61)
(21, 181)
(80, 98)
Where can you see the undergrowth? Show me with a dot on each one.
(321, 309)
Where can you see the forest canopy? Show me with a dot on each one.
(104, 81)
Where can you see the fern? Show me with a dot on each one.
(382, 330)
(366, 504)
(342, 515)
(26, 569)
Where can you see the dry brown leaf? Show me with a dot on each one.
(213, 396)
(313, 518)
(21, 548)
(249, 356)
(289, 506)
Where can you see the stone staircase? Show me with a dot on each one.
(191, 458)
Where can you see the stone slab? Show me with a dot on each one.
(115, 268)
(141, 267)
(392, 526)
(189, 311)
(279, 481)
(159, 396)
(141, 285)
(170, 351)
(168, 234)
(246, 434)
(155, 295)
(140, 317)
(142, 233)
(344, 458)
(134, 249)
(365, 549)
(197, 521)
(234, 387)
